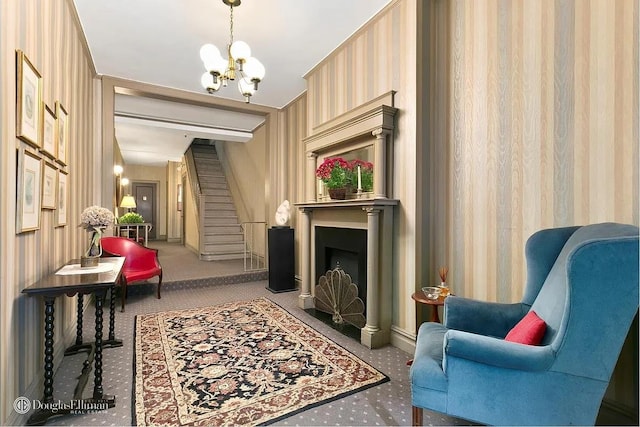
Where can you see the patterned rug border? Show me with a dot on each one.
(385, 378)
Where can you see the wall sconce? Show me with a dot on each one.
(117, 171)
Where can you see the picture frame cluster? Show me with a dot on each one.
(42, 175)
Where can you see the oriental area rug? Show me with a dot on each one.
(241, 363)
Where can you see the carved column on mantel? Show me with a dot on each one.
(305, 299)
(380, 163)
(370, 335)
(311, 176)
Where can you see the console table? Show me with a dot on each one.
(132, 231)
(70, 280)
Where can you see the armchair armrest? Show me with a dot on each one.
(497, 352)
(480, 317)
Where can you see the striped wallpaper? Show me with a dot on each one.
(514, 116)
(295, 125)
(543, 130)
(50, 36)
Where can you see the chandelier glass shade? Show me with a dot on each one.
(239, 64)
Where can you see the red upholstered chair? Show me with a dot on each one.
(141, 263)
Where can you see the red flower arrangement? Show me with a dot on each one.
(335, 172)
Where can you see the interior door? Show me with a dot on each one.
(145, 195)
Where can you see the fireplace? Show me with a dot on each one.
(367, 257)
(346, 247)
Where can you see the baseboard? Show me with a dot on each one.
(403, 340)
(174, 240)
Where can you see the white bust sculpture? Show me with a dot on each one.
(283, 213)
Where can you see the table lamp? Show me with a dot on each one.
(128, 202)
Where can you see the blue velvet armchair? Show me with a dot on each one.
(583, 282)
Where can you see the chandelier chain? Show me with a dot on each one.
(231, 26)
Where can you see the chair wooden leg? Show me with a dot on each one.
(159, 284)
(123, 293)
(416, 416)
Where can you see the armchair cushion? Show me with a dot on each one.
(530, 330)
(481, 317)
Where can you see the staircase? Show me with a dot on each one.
(221, 236)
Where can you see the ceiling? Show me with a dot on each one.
(158, 42)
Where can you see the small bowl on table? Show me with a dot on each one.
(432, 292)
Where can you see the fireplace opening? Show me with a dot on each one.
(345, 248)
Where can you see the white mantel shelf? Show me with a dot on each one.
(349, 203)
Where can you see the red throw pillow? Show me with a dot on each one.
(530, 330)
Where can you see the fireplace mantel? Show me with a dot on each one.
(376, 216)
(355, 203)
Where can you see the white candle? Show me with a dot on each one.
(320, 187)
(359, 180)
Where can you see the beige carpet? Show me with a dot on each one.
(240, 363)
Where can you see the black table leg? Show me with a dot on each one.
(112, 341)
(97, 388)
(79, 323)
(79, 346)
(48, 349)
(40, 416)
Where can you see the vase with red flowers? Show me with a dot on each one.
(336, 174)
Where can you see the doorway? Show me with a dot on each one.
(145, 195)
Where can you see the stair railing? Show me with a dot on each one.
(255, 245)
(199, 198)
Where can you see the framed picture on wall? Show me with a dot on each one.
(49, 186)
(62, 133)
(48, 132)
(29, 191)
(28, 100)
(63, 191)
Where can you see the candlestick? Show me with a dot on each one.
(359, 180)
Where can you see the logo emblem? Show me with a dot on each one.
(22, 405)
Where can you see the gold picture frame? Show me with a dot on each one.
(28, 101)
(48, 132)
(49, 186)
(29, 191)
(63, 199)
(62, 133)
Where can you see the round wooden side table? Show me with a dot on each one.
(420, 297)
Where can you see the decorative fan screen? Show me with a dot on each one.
(337, 295)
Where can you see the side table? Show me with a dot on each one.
(70, 280)
(421, 298)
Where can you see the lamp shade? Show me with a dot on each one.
(240, 50)
(254, 69)
(208, 53)
(128, 202)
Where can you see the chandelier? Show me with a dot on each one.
(239, 64)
